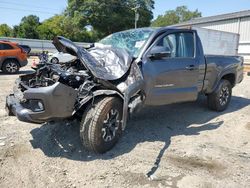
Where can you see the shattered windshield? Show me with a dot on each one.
(130, 40)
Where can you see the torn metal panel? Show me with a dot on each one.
(111, 64)
(103, 63)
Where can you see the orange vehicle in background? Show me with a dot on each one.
(12, 57)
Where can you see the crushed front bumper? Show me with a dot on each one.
(14, 107)
(58, 102)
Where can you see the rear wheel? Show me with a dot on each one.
(221, 97)
(10, 66)
(101, 128)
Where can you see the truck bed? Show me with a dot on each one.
(217, 65)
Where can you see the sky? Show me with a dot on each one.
(12, 11)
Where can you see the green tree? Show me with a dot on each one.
(51, 27)
(15, 31)
(171, 17)
(76, 32)
(5, 30)
(66, 26)
(28, 27)
(109, 16)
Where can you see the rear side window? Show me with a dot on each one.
(179, 44)
(5, 47)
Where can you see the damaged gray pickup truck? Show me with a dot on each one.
(119, 75)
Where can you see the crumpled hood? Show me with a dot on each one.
(103, 62)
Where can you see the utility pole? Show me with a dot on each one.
(136, 14)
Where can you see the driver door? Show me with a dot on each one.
(171, 69)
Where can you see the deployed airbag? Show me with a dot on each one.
(103, 62)
(110, 64)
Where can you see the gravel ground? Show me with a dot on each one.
(180, 145)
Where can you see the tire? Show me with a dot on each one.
(54, 60)
(221, 97)
(101, 127)
(10, 66)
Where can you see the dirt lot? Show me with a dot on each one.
(181, 145)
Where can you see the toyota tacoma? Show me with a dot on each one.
(118, 76)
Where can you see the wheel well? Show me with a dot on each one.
(99, 97)
(230, 77)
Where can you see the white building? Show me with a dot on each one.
(237, 22)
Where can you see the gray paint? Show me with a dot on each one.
(58, 101)
(181, 83)
(158, 82)
(219, 66)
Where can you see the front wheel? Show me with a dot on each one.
(221, 97)
(101, 126)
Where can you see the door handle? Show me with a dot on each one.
(191, 67)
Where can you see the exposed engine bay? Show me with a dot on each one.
(71, 74)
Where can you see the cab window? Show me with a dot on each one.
(179, 44)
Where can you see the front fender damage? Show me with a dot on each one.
(129, 91)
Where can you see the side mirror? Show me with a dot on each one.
(159, 52)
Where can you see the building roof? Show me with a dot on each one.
(234, 15)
